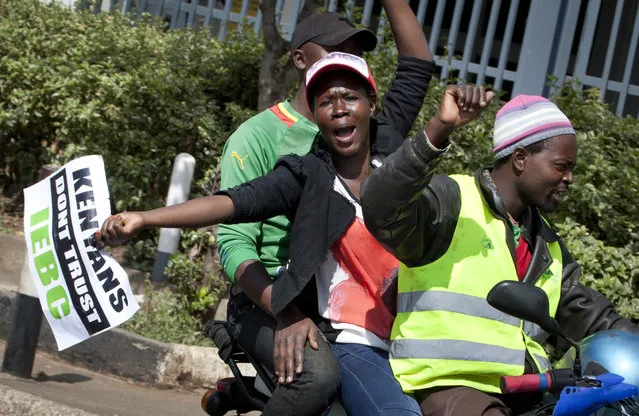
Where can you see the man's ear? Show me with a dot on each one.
(519, 158)
(299, 59)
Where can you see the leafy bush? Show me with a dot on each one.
(74, 83)
(140, 254)
(606, 187)
(162, 316)
(196, 273)
(610, 270)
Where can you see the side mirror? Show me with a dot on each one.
(530, 303)
(523, 301)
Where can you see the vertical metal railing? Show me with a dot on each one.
(488, 41)
(421, 11)
(595, 28)
(225, 19)
(506, 42)
(209, 13)
(437, 25)
(243, 14)
(452, 37)
(470, 37)
(367, 11)
(566, 37)
(612, 41)
(587, 37)
(630, 58)
(495, 63)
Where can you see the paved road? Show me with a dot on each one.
(101, 394)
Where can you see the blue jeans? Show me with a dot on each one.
(368, 385)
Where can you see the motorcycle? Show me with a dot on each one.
(573, 392)
(241, 393)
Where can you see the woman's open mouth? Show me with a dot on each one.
(344, 134)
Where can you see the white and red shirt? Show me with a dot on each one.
(357, 284)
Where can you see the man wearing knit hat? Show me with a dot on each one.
(457, 236)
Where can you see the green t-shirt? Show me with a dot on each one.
(249, 153)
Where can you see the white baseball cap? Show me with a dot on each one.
(338, 61)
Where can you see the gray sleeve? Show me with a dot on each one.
(410, 211)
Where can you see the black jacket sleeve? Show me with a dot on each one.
(405, 96)
(276, 193)
(410, 211)
(583, 311)
(401, 103)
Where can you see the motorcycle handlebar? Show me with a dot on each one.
(550, 381)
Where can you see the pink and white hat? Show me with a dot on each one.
(337, 61)
(527, 119)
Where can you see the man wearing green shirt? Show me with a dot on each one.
(253, 254)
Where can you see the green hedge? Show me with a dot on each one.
(74, 83)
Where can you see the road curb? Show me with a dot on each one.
(17, 402)
(128, 355)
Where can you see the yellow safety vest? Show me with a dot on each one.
(446, 333)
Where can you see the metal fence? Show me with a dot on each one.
(514, 45)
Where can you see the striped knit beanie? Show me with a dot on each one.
(527, 119)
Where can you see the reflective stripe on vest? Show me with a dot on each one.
(432, 300)
(445, 333)
(543, 363)
(535, 332)
(468, 305)
(455, 350)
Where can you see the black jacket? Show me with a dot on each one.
(302, 189)
(414, 214)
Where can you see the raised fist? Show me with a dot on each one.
(462, 103)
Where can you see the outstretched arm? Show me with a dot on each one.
(264, 197)
(194, 213)
(274, 194)
(409, 35)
